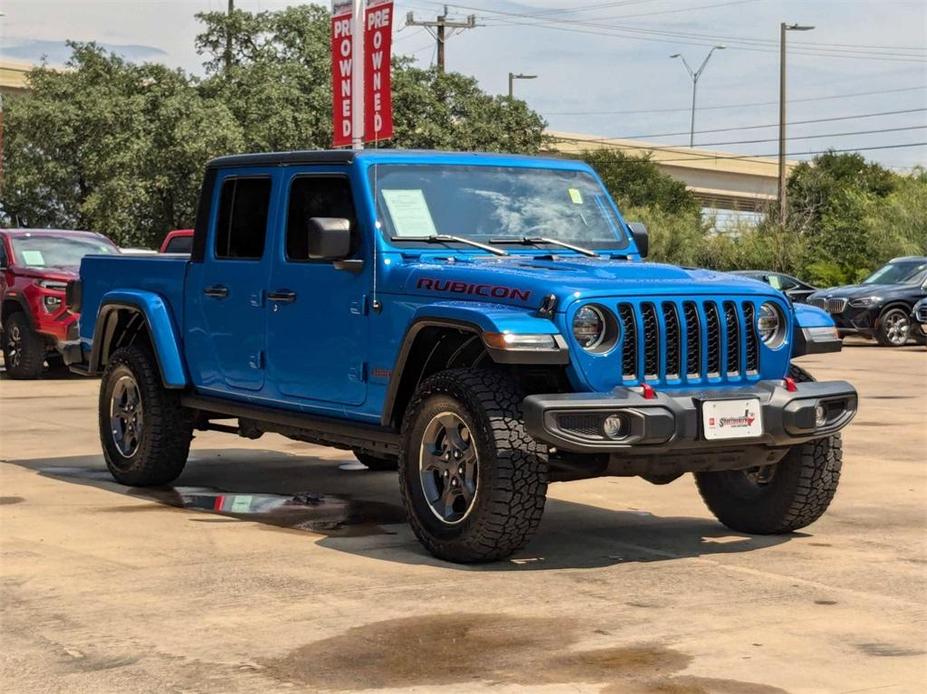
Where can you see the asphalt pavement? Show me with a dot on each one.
(275, 566)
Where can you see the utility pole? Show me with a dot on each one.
(519, 76)
(783, 28)
(438, 30)
(695, 74)
(228, 39)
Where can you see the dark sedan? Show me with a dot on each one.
(880, 307)
(792, 287)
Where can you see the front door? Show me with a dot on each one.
(226, 304)
(316, 319)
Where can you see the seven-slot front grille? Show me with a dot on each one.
(688, 340)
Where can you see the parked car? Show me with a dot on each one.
(880, 306)
(919, 317)
(483, 322)
(792, 287)
(178, 241)
(35, 266)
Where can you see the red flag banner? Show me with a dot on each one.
(378, 94)
(341, 73)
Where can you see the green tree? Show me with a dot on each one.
(110, 146)
(279, 88)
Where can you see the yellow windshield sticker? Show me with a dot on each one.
(576, 196)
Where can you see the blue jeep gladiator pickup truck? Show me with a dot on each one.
(485, 323)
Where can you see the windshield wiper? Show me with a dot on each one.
(534, 240)
(447, 238)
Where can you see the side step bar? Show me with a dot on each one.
(326, 431)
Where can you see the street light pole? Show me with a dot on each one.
(783, 28)
(519, 76)
(695, 74)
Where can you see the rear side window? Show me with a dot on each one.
(242, 224)
(315, 196)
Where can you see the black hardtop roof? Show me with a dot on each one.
(347, 156)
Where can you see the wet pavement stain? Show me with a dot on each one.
(458, 648)
(327, 514)
(692, 685)
(10, 500)
(888, 650)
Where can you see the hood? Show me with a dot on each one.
(527, 279)
(62, 274)
(853, 291)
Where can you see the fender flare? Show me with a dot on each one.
(477, 318)
(23, 308)
(162, 331)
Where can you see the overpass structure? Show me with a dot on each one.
(719, 180)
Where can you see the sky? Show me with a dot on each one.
(604, 68)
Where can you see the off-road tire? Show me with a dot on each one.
(30, 362)
(801, 489)
(378, 463)
(512, 471)
(802, 486)
(882, 326)
(167, 430)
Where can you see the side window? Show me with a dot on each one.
(242, 224)
(2, 254)
(315, 196)
(786, 283)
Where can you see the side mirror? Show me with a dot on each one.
(639, 232)
(329, 238)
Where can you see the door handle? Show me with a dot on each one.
(284, 296)
(217, 291)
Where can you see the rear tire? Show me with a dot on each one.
(779, 498)
(144, 430)
(376, 462)
(473, 481)
(23, 348)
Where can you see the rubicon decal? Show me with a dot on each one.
(494, 291)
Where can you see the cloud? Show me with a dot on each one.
(58, 52)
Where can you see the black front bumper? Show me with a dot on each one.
(672, 423)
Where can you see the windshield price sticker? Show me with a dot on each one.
(32, 258)
(732, 419)
(409, 212)
(576, 196)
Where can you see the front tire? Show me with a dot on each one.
(144, 430)
(780, 498)
(473, 481)
(23, 348)
(894, 327)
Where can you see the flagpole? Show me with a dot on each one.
(357, 73)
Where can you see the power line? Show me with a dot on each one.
(728, 106)
(748, 44)
(725, 157)
(815, 137)
(771, 125)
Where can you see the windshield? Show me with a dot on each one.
(57, 251)
(896, 273)
(486, 203)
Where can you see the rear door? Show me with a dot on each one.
(226, 319)
(317, 328)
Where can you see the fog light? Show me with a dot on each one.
(820, 415)
(52, 303)
(615, 426)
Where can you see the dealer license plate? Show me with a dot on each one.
(732, 419)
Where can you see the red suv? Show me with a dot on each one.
(35, 266)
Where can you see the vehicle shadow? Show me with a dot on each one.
(358, 511)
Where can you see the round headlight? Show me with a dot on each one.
(770, 325)
(589, 327)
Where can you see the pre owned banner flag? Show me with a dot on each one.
(378, 100)
(341, 73)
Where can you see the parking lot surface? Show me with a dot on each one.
(279, 566)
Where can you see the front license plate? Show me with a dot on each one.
(732, 419)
